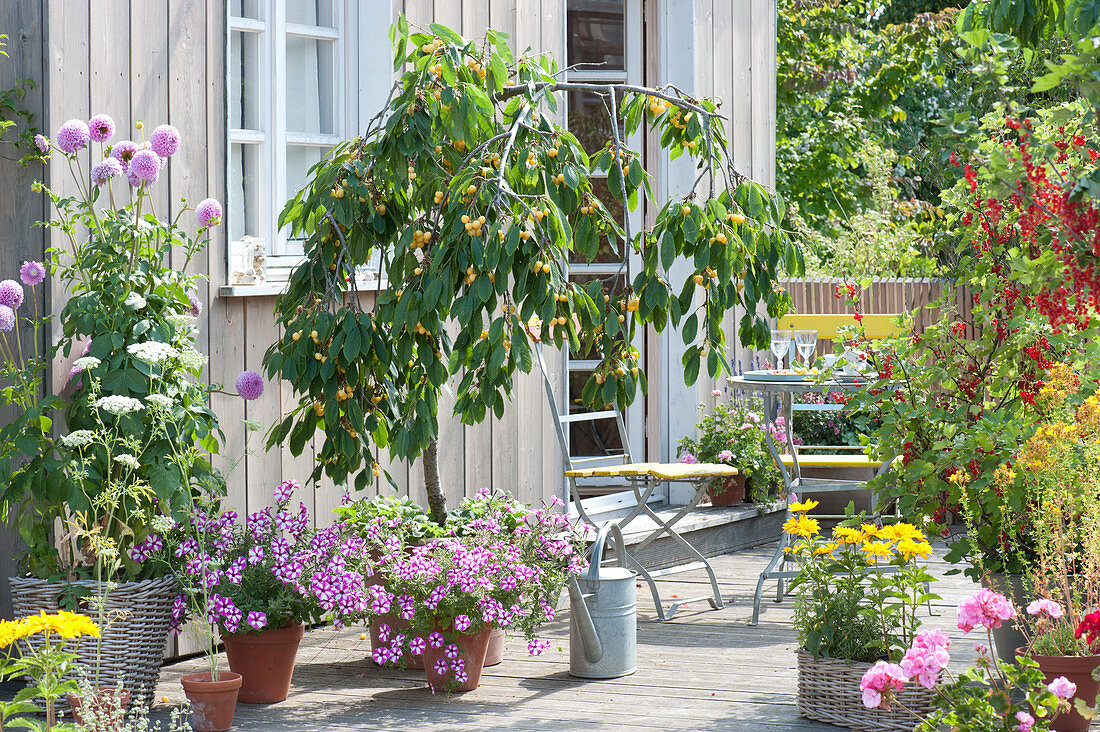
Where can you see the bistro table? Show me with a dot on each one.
(779, 399)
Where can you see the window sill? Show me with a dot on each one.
(274, 289)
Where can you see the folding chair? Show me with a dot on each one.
(642, 479)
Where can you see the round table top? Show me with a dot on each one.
(794, 387)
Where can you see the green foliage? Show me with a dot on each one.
(476, 200)
(732, 435)
(384, 516)
(126, 294)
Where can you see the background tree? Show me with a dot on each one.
(475, 199)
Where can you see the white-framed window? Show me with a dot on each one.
(603, 45)
(293, 68)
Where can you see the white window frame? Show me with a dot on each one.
(634, 415)
(273, 138)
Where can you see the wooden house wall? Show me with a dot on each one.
(163, 61)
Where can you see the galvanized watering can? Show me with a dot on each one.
(603, 617)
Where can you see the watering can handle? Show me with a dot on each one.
(612, 528)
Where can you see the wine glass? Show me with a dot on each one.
(806, 343)
(781, 344)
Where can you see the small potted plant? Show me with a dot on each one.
(453, 591)
(258, 583)
(1060, 465)
(732, 435)
(990, 695)
(856, 599)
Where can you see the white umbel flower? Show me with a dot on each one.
(159, 400)
(153, 352)
(77, 438)
(182, 322)
(192, 359)
(86, 362)
(119, 405)
(128, 460)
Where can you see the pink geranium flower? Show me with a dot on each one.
(880, 682)
(1043, 605)
(985, 608)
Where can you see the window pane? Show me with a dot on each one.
(310, 86)
(244, 72)
(589, 120)
(299, 159)
(597, 33)
(244, 191)
(611, 247)
(310, 12)
(245, 9)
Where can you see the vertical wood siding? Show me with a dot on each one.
(164, 61)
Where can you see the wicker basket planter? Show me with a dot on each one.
(828, 691)
(134, 641)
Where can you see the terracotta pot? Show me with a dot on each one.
(727, 491)
(1077, 669)
(105, 702)
(212, 702)
(471, 649)
(1007, 638)
(397, 625)
(494, 654)
(265, 661)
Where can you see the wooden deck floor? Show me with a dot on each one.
(704, 670)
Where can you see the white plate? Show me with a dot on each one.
(774, 375)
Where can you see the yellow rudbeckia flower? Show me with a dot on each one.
(909, 548)
(803, 507)
(826, 548)
(900, 532)
(801, 525)
(848, 534)
(883, 549)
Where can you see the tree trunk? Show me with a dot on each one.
(437, 504)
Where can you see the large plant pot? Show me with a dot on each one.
(1077, 669)
(471, 649)
(727, 491)
(212, 702)
(397, 625)
(265, 661)
(494, 653)
(111, 706)
(828, 691)
(1008, 637)
(132, 643)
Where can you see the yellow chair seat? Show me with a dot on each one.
(662, 471)
(856, 460)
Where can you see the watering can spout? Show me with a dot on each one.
(590, 639)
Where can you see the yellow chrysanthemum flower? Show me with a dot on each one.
(868, 531)
(801, 525)
(909, 548)
(824, 549)
(63, 623)
(900, 532)
(872, 549)
(848, 535)
(803, 507)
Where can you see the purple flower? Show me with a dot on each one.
(284, 490)
(417, 646)
(257, 619)
(124, 151)
(460, 676)
(250, 385)
(42, 143)
(1062, 688)
(208, 213)
(144, 166)
(11, 294)
(688, 459)
(103, 171)
(255, 555)
(32, 273)
(462, 623)
(194, 308)
(73, 136)
(435, 639)
(537, 646)
(451, 651)
(101, 128)
(441, 667)
(458, 664)
(7, 322)
(165, 141)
